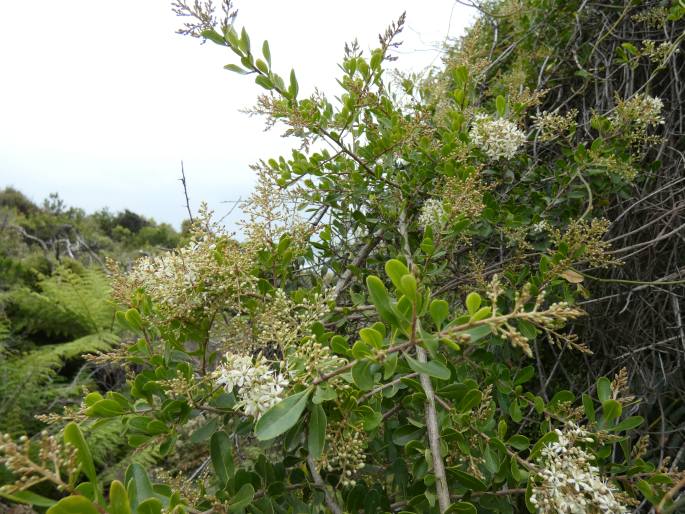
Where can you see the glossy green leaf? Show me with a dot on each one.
(409, 286)
(473, 303)
(470, 400)
(293, 88)
(282, 416)
(74, 437)
(150, 506)
(73, 505)
(431, 368)
(362, 376)
(213, 36)
(548, 438)
(138, 485)
(603, 389)
(469, 481)
(627, 424)
(236, 69)
(266, 52)
(461, 508)
(221, 453)
(105, 409)
(396, 269)
(611, 410)
(118, 499)
(242, 498)
(28, 497)
(133, 318)
(379, 297)
(501, 105)
(518, 441)
(371, 337)
(439, 310)
(316, 437)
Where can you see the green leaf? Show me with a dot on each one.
(317, 431)
(293, 88)
(73, 505)
(74, 437)
(471, 482)
(105, 409)
(236, 69)
(261, 80)
(481, 313)
(213, 36)
(409, 286)
(501, 104)
(118, 499)
(371, 337)
(138, 484)
(390, 365)
(603, 389)
(362, 376)
(133, 318)
(361, 350)
(242, 498)
(471, 399)
(396, 270)
(628, 424)
(244, 43)
(518, 441)
(379, 297)
(439, 310)
(548, 438)
(282, 416)
(29, 498)
(461, 508)
(150, 506)
(432, 368)
(473, 303)
(611, 410)
(222, 457)
(266, 52)
(340, 346)
(406, 434)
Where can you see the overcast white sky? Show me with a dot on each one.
(100, 99)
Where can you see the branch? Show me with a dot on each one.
(330, 500)
(432, 426)
(185, 192)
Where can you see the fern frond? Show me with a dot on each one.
(69, 304)
(30, 382)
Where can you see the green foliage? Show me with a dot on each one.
(380, 354)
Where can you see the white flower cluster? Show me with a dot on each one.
(642, 110)
(569, 483)
(206, 274)
(496, 137)
(432, 213)
(539, 227)
(258, 386)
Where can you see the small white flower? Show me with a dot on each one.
(258, 386)
(539, 227)
(568, 483)
(432, 213)
(498, 138)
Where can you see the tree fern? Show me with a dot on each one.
(68, 304)
(30, 382)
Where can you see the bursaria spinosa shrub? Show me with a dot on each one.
(372, 342)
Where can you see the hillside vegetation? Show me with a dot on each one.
(461, 292)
